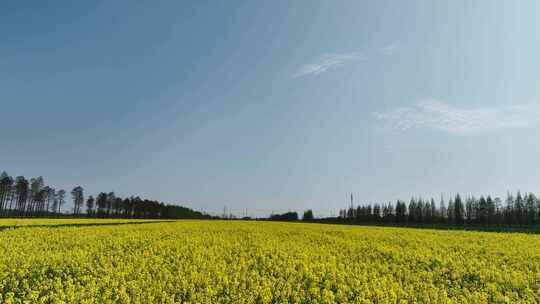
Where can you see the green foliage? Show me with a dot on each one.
(308, 215)
(24, 198)
(287, 216)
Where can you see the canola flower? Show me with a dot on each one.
(265, 262)
(19, 222)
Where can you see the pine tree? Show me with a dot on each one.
(458, 210)
(308, 215)
(78, 199)
(490, 210)
(483, 211)
(90, 205)
(60, 198)
(451, 212)
(519, 208)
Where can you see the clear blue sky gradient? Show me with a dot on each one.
(214, 103)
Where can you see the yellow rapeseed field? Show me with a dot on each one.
(17, 222)
(264, 262)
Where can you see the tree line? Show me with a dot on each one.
(516, 210)
(292, 216)
(22, 197)
(287, 216)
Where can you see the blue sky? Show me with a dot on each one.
(275, 105)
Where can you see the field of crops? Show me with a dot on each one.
(263, 262)
(18, 222)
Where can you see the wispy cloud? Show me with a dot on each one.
(389, 48)
(326, 62)
(329, 61)
(433, 114)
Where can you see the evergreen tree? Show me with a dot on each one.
(90, 205)
(434, 213)
(442, 211)
(78, 199)
(519, 208)
(6, 190)
(450, 212)
(458, 210)
(483, 211)
(490, 210)
(101, 202)
(530, 209)
(60, 198)
(308, 215)
(376, 212)
(412, 210)
(469, 211)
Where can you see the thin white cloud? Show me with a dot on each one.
(389, 48)
(326, 62)
(438, 115)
